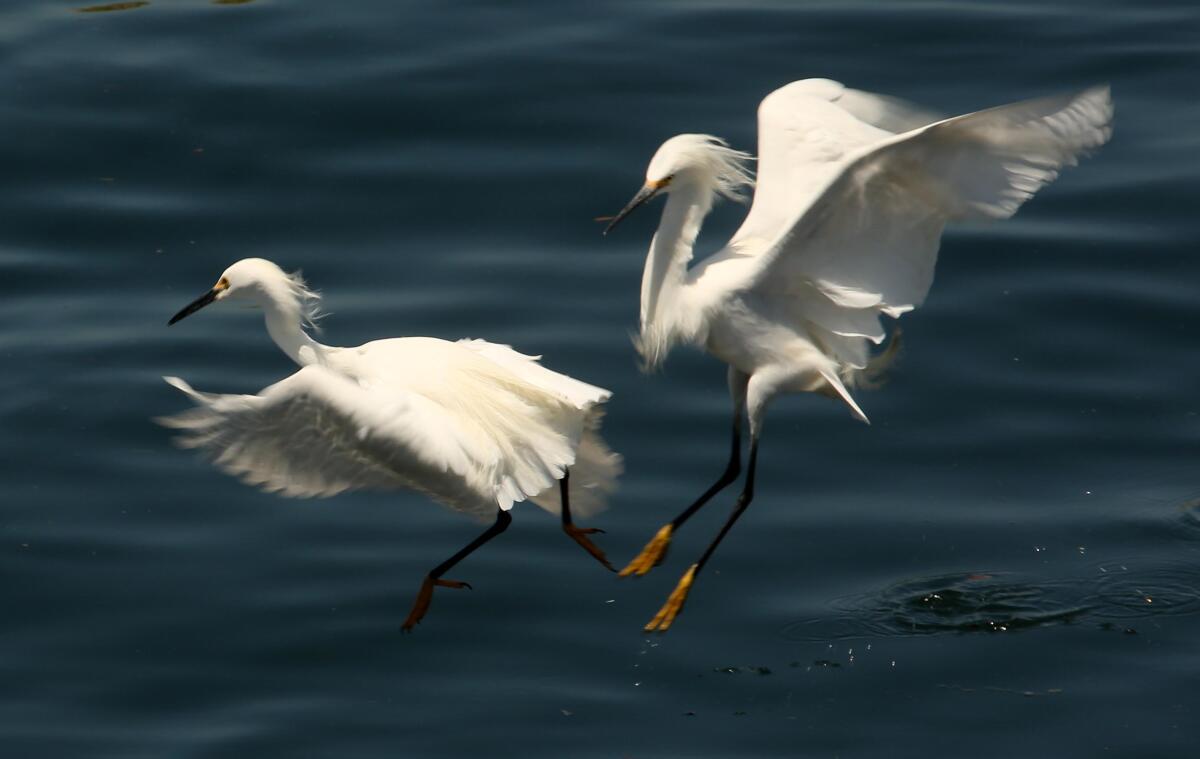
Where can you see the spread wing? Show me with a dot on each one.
(318, 433)
(852, 215)
(806, 130)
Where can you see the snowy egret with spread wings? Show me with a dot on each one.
(853, 192)
(474, 425)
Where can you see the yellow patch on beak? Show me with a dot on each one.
(658, 184)
(222, 284)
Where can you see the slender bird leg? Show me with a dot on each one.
(666, 615)
(579, 534)
(656, 550)
(434, 578)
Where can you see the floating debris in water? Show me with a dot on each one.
(113, 7)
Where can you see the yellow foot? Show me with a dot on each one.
(424, 597)
(652, 555)
(666, 615)
(579, 535)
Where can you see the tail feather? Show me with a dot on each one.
(593, 476)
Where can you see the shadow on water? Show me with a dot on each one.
(1110, 594)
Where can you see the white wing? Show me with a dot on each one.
(806, 130)
(596, 468)
(581, 395)
(318, 433)
(864, 240)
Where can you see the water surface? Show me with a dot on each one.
(1005, 563)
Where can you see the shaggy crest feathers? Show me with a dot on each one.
(307, 299)
(727, 169)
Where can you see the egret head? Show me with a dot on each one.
(258, 282)
(698, 160)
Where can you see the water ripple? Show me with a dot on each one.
(950, 603)
(998, 602)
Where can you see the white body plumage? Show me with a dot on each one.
(853, 191)
(472, 424)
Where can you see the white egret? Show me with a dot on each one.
(853, 192)
(474, 425)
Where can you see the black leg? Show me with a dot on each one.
(670, 610)
(656, 550)
(742, 502)
(579, 534)
(434, 578)
(732, 470)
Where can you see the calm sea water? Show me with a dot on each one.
(1006, 563)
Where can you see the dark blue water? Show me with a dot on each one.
(1006, 563)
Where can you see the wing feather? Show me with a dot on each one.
(595, 468)
(490, 437)
(866, 242)
(318, 433)
(529, 369)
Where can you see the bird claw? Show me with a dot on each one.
(425, 597)
(579, 535)
(666, 615)
(652, 555)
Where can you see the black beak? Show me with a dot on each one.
(643, 195)
(195, 305)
